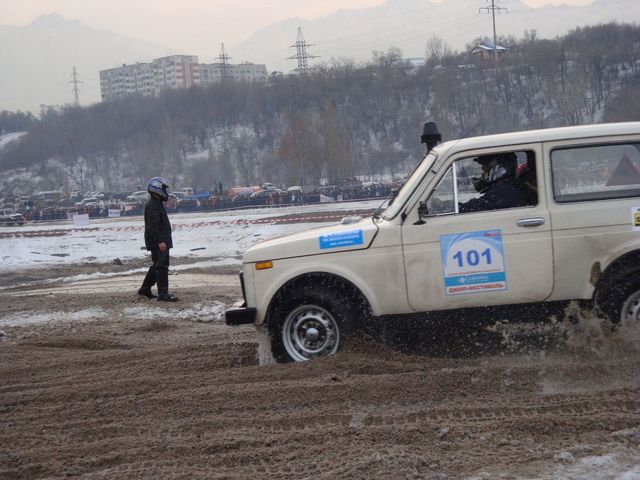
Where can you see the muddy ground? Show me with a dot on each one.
(99, 383)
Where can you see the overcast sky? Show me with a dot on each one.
(189, 26)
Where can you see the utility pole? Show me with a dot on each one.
(224, 60)
(301, 53)
(76, 91)
(493, 9)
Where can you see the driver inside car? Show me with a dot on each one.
(499, 185)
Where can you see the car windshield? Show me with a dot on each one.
(409, 186)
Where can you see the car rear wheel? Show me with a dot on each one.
(622, 302)
(630, 312)
(311, 323)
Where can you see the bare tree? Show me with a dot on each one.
(437, 49)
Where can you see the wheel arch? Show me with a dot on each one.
(332, 280)
(622, 267)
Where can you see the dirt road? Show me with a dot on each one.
(97, 383)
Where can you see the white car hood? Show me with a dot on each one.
(335, 238)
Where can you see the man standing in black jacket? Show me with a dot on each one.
(157, 239)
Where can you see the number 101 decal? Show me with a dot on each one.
(473, 262)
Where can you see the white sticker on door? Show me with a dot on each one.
(473, 262)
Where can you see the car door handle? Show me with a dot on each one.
(530, 222)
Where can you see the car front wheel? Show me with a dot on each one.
(310, 324)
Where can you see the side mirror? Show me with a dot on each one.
(423, 212)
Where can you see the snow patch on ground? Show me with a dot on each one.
(201, 312)
(24, 318)
(123, 238)
(10, 137)
(98, 275)
(596, 467)
(622, 465)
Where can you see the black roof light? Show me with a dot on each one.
(430, 135)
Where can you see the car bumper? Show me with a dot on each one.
(240, 314)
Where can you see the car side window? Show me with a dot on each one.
(486, 182)
(596, 172)
(442, 199)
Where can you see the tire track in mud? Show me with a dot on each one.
(190, 401)
(626, 405)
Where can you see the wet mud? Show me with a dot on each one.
(96, 388)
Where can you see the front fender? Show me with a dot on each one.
(266, 285)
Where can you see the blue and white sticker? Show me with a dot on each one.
(473, 262)
(342, 239)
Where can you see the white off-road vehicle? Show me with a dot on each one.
(575, 237)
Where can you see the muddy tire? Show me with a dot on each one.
(311, 323)
(622, 302)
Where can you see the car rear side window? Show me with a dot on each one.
(596, 172)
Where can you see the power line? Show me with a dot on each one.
(406, 38)
(406, 35)
(224, 60)
(412, 31)
(76, 91)
(301, 53)
(493, 9)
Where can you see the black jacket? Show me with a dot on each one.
(157, 228)
(505, 193)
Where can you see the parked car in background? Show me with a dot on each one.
(139, 196)
(86, 201)
(9, 217)
(201, 196)
(115, 196)
(262, 197)
(242, 192)
(186, 204)
(178, 195)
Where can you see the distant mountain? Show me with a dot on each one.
(408, 24)
(37, 61)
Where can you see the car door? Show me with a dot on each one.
(594, 205)
(489, 257)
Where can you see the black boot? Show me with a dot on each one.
(146, 292)
(167, 297)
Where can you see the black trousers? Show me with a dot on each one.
(158, 272)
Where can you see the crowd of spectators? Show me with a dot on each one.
(46, 206)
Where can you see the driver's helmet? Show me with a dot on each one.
(159, 186)
(494, 168)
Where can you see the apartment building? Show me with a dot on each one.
(126, 80)
(247, 72)
(174, 71)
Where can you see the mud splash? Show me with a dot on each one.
(587, 331)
